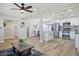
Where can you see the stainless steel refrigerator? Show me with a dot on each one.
(56, 27)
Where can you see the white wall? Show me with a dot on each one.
(13, 28)
(1, 31)
(9, 30)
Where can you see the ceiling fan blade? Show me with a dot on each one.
(28, 7)
(29, 11)
(15, 9)
(17, 5)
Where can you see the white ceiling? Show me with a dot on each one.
(42, 8)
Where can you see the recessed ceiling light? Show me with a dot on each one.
(71, 15)
(35, 9)
(53, 14)
(69, 10)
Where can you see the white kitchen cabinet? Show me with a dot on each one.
(47, 35)
(51, 36)
(60, 34)
(77, 41)
(72, 35)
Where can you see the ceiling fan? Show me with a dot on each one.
(22, 7)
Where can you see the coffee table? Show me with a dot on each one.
(22, 50)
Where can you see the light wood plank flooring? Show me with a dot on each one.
(54, 47)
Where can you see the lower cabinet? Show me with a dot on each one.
(72, 35)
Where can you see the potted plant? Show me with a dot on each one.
(21, 42)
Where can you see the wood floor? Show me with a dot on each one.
(54, 47)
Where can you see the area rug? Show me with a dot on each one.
(9, 52)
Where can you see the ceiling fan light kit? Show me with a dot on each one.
(22, 11)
